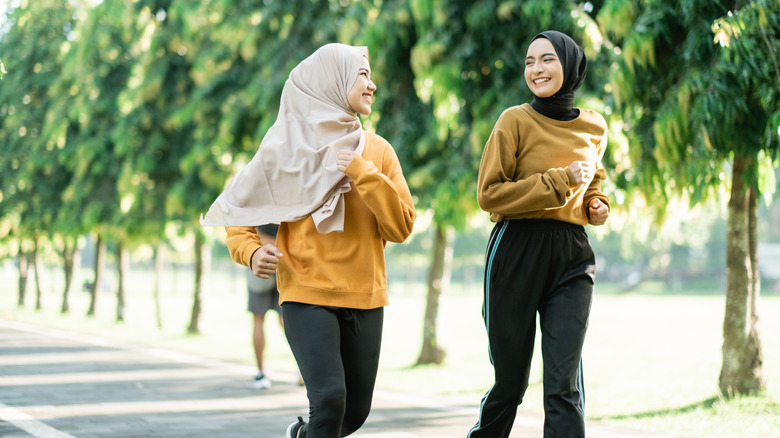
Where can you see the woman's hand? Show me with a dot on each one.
(598, 212)
(265, 260)
(345, 157)
(583, 172)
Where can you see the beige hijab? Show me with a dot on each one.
(293, 173)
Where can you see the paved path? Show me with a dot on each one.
(56, 384)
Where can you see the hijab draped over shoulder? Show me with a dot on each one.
(293, 174)
(560, 105)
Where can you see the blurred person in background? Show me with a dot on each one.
(263, 296)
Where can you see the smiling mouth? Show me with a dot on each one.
(541, 81)
(369, 97)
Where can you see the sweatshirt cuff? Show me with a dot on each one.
(359, 166)
(571, 177)
(249, 253)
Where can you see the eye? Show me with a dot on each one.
(549, 59)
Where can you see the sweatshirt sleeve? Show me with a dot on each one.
(242, 242)
(497, 189)
(386, 193)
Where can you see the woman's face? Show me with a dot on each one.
(361, 95)
(543, 69)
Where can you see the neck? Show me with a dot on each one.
(558, 107)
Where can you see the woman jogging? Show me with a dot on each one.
(339, 195)
(540, 179)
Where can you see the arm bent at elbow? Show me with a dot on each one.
(537, 192)
(386, 195)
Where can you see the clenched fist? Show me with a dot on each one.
(598, 211)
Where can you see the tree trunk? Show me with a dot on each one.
(742, 370)
(159, 257)
(37, 274)
(755, 333)
(100, 264)
(195, 314)
(24, 271)
(123, 267)
(438, 280)
(70, 257)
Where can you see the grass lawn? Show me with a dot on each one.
(651, 360)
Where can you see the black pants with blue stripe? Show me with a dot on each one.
(536, 266)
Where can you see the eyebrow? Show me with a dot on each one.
(543, 55)
(364, 69)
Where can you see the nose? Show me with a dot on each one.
(371, 85)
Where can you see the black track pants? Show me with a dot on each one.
(337, 351)
(544, 266)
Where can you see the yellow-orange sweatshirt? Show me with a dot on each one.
(342, 269)
(524, 172)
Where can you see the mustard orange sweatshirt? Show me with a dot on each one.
(342, 269)
(524, 172)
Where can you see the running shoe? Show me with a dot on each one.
(260, 381)
(295, 428)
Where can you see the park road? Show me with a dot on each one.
(56, 384)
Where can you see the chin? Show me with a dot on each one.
(543, 95)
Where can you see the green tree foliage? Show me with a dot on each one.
(31, 175)
(697, 85)
(404, 119)
(2, 66)
(95, 67)
(156, 131)
(684, 121)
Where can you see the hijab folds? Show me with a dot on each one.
(294, 173)
(560, 105)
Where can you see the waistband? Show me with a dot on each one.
(543, 225)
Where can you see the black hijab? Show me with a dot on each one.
(560, 106)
